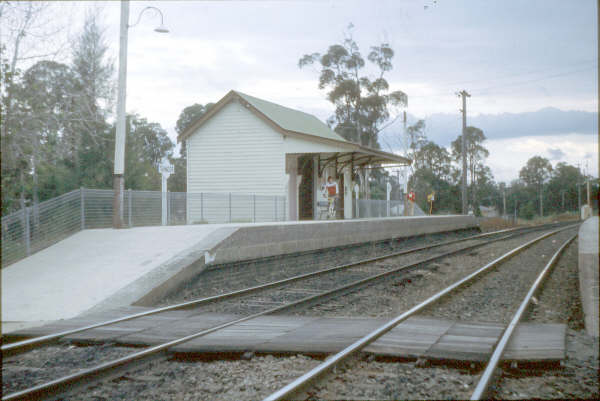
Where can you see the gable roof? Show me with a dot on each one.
(292, 122)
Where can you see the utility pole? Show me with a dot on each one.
(504, 202)
(587, 186)
(119, 166)
(589, 194)
(405, 175)
(120, 133)
(578, 192)
(463, 146)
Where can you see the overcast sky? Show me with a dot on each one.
(513, 56)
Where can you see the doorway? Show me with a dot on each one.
(306, 190)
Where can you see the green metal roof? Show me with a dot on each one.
(292, 120)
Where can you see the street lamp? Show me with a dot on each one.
(119, 168)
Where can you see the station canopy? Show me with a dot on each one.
(294, 123)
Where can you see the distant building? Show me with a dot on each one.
(246, 145)
(488, 211)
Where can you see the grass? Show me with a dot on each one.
(498, 223)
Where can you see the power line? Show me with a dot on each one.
(508, 84)
(537, 79)
(517, 74)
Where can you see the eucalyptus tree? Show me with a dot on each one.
(146, 146)
(29, 32)
(535, 173)
(561, 194)
(44, 96)
(476, 155)
(363, 104)
(92, 99)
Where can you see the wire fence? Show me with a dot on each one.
(34, 228)
(371, 208)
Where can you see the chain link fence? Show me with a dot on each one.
(372, 208)
(34, 228)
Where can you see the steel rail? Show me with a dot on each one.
(290, 389)
(67, 383)
(24, 345)
(488, 373)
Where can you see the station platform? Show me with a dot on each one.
(588, 274)
(103, 269)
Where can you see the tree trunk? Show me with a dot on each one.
(541, 201)
(36, 214)
(13, 66)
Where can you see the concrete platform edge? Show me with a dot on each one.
(257, 242)
(240, 243)
(165, 278)
(588, 274)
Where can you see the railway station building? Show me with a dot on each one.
(248, 146)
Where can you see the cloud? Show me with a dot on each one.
(509, 155)
(443, 128)
(556, 154)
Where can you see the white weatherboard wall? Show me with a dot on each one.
(234, 152)
(299, 146)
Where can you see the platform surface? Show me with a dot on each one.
(75, 274)
(430, 338)
(588, 274)
(106, 268)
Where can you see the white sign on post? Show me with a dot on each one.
(165, 169)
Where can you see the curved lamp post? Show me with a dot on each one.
(119, 167)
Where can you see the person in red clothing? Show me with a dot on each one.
(331, 191)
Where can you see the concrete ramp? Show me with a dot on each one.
(103, 269)
(89, 267)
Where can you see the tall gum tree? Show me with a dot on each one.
(476, 155)
(363, 103)
(535, 173)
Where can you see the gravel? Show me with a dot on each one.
(224, 278)
(559, 302)
(229, 377)
(269, 298)
(233, 379)
(496, 295)
(576, 378)
(403, 291)
(394, 380)
(51, 362)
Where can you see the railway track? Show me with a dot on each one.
(21, 346)
(301, 387)
(300, 298)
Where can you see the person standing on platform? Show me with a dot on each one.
(331, 189)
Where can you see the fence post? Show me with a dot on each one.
(82, 197)
(169, 203)
(254, 208)
(129, 201)
(230, 207)
(283, 218)
(26, 231)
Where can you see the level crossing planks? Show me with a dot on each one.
(417, 337)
